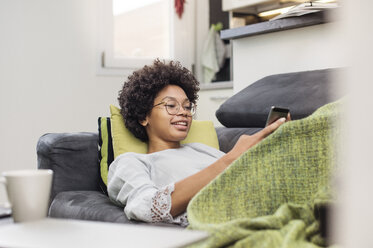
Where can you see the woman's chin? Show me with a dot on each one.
(181, 136)
(178, 133)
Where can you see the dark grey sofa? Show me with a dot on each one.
(77, 190)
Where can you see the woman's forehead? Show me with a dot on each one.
(172, 91)
(170, 98)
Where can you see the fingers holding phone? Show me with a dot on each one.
(276, 117)
(245, 142)
(271, 127)
(276, 113)
(288, 117)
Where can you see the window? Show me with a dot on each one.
(134, 33)
(150, 37)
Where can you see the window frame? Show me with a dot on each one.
(109, 64)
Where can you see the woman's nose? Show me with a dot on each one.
(183, 112)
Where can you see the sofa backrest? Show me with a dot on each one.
(73, 157)
(302, 92)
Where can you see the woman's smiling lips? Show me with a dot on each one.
(180, 125)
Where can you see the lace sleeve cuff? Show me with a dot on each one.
(161, 207)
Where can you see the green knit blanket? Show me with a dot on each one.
(268, 196)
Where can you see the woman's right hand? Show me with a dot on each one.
(245, 142)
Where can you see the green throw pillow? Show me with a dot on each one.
(124, 141)
(106, 154)
(116, 139)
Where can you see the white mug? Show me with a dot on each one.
(28, 193)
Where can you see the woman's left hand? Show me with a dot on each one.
(245, 142)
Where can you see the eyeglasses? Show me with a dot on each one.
(173, 107)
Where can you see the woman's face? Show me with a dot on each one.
(162, 126)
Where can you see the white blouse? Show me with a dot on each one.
(143, 183)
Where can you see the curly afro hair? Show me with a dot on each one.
(136, 98)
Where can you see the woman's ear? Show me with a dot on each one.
(144, 123)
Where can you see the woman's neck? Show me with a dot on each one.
(156, 146)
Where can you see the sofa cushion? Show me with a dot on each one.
(229, 136)
(86, 205)
(93, 206)
(301, 92)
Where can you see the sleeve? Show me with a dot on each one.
(130, 185)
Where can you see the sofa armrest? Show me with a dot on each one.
(73, 157)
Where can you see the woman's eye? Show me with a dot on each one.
(170, 106)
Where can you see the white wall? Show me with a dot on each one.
(48, 80)
(48, 74)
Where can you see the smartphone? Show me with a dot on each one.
(276, 113)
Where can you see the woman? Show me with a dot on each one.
(157, 104)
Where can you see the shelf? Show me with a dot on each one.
(277, 25)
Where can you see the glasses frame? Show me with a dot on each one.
(192, 113)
